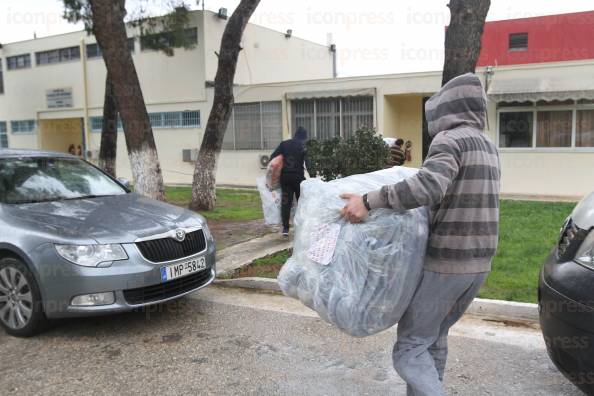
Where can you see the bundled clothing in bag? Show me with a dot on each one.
(359, 277)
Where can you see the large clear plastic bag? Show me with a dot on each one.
(375, 266)
(271, 202)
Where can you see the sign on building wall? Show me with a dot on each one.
(59, 97)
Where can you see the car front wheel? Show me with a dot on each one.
(21, 310)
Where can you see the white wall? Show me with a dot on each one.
(267, 55)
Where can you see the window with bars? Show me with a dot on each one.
(94, 50)
(18, 62)
(332, 117)
(566, 124)
(254, 126)
(3, 135)
(22, 126)
(168, 120)
(97, 123)
(57, 55)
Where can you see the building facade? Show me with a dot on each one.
(540, 113)
(51, 91)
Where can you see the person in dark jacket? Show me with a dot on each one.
(292, 173)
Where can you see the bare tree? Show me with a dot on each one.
(204, 183)
(164, 33)
(109, 130)
(463, 37)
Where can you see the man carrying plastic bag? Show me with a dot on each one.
(292, 172)
(459, 181)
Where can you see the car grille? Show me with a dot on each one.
(570, 239)
(167, 249)
(163, 291)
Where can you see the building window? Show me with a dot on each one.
(3, 135)
(57, 55)
(175, 119)
(97, 124)
(553, 124)
(585, 128)
(168, 39)
(515, 129)
(553, 128)
(18, 62)
(22, 127)
(329, 118)
(169, 120)
(1, 78)
(254, 126)
(518, 41)
(94, 50)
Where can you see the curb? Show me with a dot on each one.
(495, 309)
(508, 310)
(254, 283)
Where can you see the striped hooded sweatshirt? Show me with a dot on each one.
(458, 182)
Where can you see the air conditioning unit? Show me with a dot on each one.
(264, 160)
(190, 155)
(222, 13)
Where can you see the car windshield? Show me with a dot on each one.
(43, 179)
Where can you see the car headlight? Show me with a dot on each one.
(585, 253)
(91, 255)
(571, 239)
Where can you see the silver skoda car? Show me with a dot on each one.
(76, 242)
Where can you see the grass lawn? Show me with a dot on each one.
(232, 204)
(265, 267)
(528, 231)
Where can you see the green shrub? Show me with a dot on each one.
(331, 159)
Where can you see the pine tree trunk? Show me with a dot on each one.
(110, 32)
(204, 183)
(463, 37)
(109, 131)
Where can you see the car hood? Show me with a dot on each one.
(583, 214)
(112, 219)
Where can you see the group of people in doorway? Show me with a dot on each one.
(463, 232)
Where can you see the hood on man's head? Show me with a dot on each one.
(301, 133)
(461, 102)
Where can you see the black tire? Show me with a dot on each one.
(36, 320)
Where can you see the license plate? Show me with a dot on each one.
(175, 271)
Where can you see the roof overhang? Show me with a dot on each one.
(519, 87)
(331, 94)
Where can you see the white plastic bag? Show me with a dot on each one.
(359, 277)
(271, 202)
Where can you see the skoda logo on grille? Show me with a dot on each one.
(180, 235)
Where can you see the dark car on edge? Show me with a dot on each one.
(566, 298)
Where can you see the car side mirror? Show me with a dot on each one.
(124, 182)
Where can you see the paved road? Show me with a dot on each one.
(228, 342)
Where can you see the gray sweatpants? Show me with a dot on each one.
(421, 349)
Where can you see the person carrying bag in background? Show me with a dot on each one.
(292, 172)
